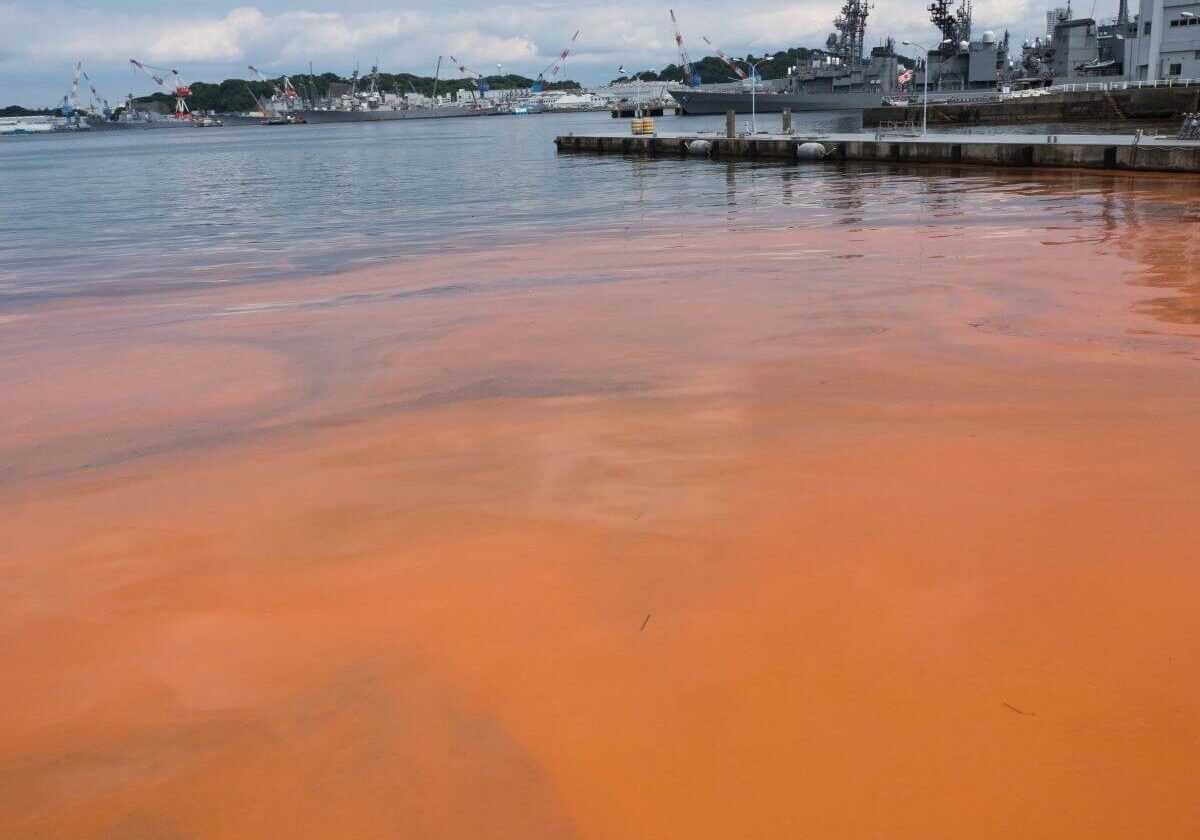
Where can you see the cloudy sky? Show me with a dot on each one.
(210, 40)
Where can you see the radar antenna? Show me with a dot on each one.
(851, 26)
(955, 25)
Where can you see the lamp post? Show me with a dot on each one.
(925, 97)
(753, 86)
(638, 76)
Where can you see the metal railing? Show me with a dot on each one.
(1098, 87)
(1123, 85)
(905, 128)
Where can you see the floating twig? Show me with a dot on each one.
(1018, 711)
(645, 621)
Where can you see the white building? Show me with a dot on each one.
(629, 90)
(1167, 41)
(577, 102)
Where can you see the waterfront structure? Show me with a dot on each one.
(38, 124)
(1077, 151)
(1165, 41)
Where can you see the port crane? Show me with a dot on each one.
(475, 80)
(282, 91)
(71, 108)
(540, 84)
(74, 101)
(741, 74)
(98, 103)
(690, 77)
(176, 86)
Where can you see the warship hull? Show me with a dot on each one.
(718, 102)
(388, 114)
(136, 125)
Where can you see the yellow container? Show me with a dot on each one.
(642, 125)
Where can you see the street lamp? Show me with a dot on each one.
(753, 86)
(638, 75)
(925, 97)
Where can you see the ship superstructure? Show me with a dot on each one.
(843, 78)
(362, 100)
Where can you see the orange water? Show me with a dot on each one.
(831, 533)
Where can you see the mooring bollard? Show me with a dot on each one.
(730, 124)
(787, 120)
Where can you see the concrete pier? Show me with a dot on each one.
(1080, 151)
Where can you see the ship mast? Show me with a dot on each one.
(955, 26)
(851, 26)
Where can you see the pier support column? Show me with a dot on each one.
(787, 120)
(730, 123)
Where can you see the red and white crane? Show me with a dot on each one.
(175, 87)
(71, 106)
(71, 102)
(741, 74)
(282, 91)
(474, 79)
(690, 77)
(553, 67)
(99, 103)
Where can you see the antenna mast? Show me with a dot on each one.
(851, 26)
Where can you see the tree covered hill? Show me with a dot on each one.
(18, 111)
(234, 95)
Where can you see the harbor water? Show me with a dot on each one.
(413, 480)
(115, 212)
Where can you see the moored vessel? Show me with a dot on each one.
(841, 78)
(384, 113)
(349, 103)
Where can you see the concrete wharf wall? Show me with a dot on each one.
(1088, 152)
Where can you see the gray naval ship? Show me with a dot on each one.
(359, 100)
(393, 112)
(348, 103)
(841, 79)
